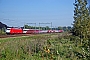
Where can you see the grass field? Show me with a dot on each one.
(58, 46)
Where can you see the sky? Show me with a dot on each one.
(20, 12)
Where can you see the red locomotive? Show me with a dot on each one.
(29, 31)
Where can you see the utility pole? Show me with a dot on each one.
(39, 27)
(51, 25)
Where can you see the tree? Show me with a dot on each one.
(81, 26)
(81, 19)
(60, 28)
(65, 28)
(47, 28)
(27, 27)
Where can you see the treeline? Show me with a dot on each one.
(68, 28)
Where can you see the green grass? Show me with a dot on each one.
(36, 47)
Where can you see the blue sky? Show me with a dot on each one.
(20, 12)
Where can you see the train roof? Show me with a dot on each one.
(30, 29)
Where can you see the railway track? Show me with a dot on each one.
(15, 35)
(18, 35)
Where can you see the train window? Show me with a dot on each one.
(24, 30)
(8, 29)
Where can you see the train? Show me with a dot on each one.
(14, 30)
